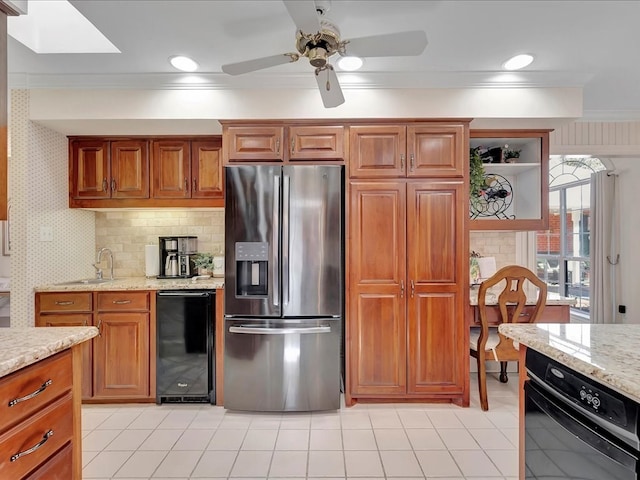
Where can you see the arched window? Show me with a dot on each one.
(562, 252)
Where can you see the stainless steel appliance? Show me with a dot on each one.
(176, 256)
(185, 346)
(575, 427)
(284, 288)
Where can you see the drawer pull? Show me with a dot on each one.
(65, 302)
(45, 437)
(121, 302)
(44, 386)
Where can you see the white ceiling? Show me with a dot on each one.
(590, 44)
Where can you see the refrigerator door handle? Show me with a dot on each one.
(275, 250)
(285, 239)
(279, 331)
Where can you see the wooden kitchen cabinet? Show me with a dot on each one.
(119, 364)
(69, 309)
(186, 169)
(101, 169)
(49, 418)
(280, 141)
(145, 172)
(406, 316)
(414, 150)
(517, 195)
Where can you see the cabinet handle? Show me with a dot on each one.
(195, 185)
(45, 437)
(401, 288)
(402, 161)
(278, 146)
(186, 184)
(293, 146)
(64, 302)
(113, 185)
(413, 161)
(42, 388)
(105, 185)
(100, 328)
(121, 302)
(413, 288)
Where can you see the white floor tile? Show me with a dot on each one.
(458, 439)
(178, 464)
(288, 464)
(444, 419)
(292, 440)
(475, 462)
(215, 464)
(295, 421)
(325, 440)
(120, 419)
(97, 440)
(129, 440)
(355, 421)
(425, 439)
(87, 457)
(385, 419)
(260, 440)
(491, 439)
(161, 440)
(252, 464)
(361, 464)
(194, 440)
(177, 419)
(324, 421)
(392, 439)
(414, 419)
(437, 463)
(471, 419)
(359, 440)
(105, 464)
(505, 460)
(400, 464)
(326, 464)
(149, 420)
(141, 464)
(227, 439)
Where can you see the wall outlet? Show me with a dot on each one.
(622, 309)
(46, 234)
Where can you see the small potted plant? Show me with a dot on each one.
(508, 155)
(204, 263)
(476, 177)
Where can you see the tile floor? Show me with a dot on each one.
(365, 442)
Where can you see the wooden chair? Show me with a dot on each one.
(485, 342)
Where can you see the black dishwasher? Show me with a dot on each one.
(185, 346)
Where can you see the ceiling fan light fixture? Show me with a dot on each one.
(350, 64)
(185, 64)
(317, 57)
(518, 62)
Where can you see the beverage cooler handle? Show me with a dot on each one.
(285, 239)
(276, 228)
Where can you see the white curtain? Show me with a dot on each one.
(604, 250)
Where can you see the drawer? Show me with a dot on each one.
(30, 385)
(64, 302)
(129, 301)
(64, 320)
(41, 435)
(58, 467)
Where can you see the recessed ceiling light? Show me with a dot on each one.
(183, 63)
(518, 62)
(350, 64)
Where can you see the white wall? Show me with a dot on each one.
(39, 195)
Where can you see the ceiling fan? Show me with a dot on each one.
(317, 39)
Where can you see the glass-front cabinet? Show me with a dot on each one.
(509, 188)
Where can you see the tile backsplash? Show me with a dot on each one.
(126, 232)
(501, 245)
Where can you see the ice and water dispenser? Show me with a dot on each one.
(252, 265)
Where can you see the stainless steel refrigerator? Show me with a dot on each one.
(284, 287)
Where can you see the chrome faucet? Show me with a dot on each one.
(99, 259)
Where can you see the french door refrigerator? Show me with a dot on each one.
(284, 287)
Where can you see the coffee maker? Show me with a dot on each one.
(176, 256)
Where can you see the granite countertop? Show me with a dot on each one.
(492, 298)
(20, 347)
(609, 354)
(139, 283)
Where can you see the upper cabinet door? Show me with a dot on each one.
(171, 169)
(515, 192)
(206, 170)
(253, 144)
(316, 143)
(377, 151)
(436, 150)
(130, 169)
(90, 172)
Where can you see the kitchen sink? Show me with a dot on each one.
(87, 281)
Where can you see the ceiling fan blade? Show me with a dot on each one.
(258, 63)
(303, 14)
(329, 87)
(391, 45)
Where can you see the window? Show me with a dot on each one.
(562, 252)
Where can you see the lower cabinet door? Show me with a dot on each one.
(58, 467)
(121, 356)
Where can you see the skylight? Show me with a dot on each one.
(56, 26)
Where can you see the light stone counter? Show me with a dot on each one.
(609, 354)
(139, 283)
(20, 347)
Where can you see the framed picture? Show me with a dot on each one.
(6, 232)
